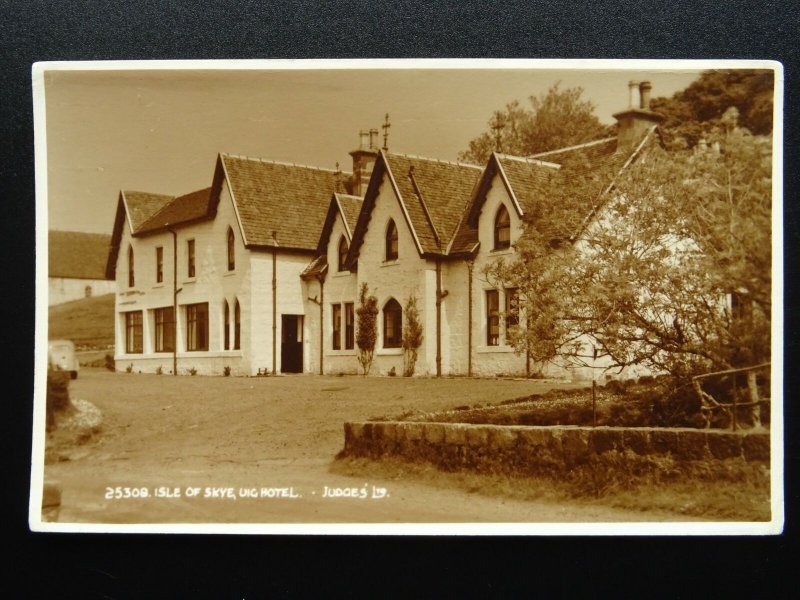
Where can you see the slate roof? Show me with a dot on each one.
(77, 255)
(317, 267)
(187, 208)
(350, 207)
(435, 194)
(143, 205)
(291, 200)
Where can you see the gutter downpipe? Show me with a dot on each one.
(321, 325)
(174, 299)
(274, 310)
(469, 317)
(439, 296)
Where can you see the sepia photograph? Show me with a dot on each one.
(462, 297)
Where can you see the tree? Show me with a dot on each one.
(367, 332)
(674, 274)
(556, 119)
(696, 112)
(412, 336)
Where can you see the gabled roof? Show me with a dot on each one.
(77, 255)
(289, 200)
(147, 213)
(532, 181)
(348, 208)
(140, 206)
(432, 194)
(180, 211)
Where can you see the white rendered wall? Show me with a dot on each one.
(63, 289)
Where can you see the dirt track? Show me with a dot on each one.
(272, 436)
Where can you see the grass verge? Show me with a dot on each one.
(735, 492)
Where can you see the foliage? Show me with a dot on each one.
(192, 371)
(412, 336)
(129, 368)
(714, 101)
(57, 395)
(556, 119)
(160, 370)
(367, 331)
(226, 371)
(110, 363)
(650, 281)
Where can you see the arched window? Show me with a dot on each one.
(231, 252)
(343, 248)
(391, 241)
(392, 324)
(130, 267)
(227, 319)
(502, 229)
(236, 326)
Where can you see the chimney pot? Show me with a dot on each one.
(633, 92)
(644, 91)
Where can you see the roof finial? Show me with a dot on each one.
(385, 128)
(498, 124)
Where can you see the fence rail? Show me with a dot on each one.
(710, 404)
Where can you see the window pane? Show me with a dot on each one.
(190, 257)
(236, 327)
(492, 318)
(392, 324)
(159, 264)
(165, 329)
(349, 326)
(336, 321)
(197, 326)
(133, 332)
(231, 254)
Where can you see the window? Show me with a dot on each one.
(159, 265)
(349, 326)
(502, 229)
(336, 322)
(512, 308)
(227, 318)
(131, 280)
(231, 251)
(165, 329)
(391, 241)
(133, 332)
(342, 253)
(190, 257)
(492, 318)
(236, 327)
(392, 324)
(197, 326)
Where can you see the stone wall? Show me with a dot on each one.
(537, 450)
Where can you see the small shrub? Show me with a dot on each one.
(110, 364)
(129, 368)
(57, 395)
(226, 371)
(412, 336)
(367, 332)
(193, 371)
(392, 372)
(159, 370)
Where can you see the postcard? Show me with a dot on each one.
(438, 297)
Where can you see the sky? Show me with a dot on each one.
(161, 130)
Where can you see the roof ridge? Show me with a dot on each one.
(529, 160)
(575, 147)
(353, 196)
(280, 162)
(438, 160)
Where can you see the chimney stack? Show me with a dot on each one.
(637, 119)
(363, 161)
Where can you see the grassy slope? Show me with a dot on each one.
(87, 322)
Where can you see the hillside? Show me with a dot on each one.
(89, 322)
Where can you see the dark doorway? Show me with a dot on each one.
(291, 343)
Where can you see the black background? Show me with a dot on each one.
(147, 566)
